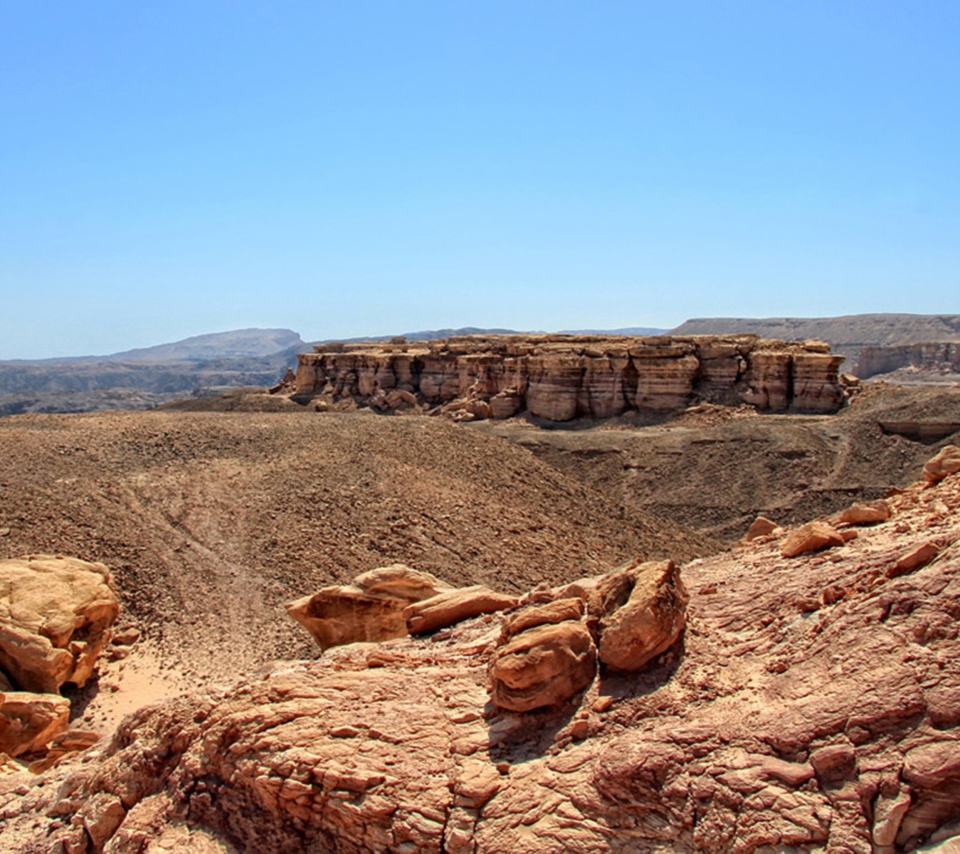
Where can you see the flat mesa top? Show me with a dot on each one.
(589, 345)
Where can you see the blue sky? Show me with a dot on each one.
(356, 168)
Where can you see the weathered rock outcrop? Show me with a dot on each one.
(816, 707)
(29, 721)
(55, 617)
(561, 377)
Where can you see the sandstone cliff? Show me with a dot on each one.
(562, 377)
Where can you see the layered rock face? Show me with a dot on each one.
(933, 356)
(562, 377)
(812, 704)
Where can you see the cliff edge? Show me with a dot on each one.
(562, 377)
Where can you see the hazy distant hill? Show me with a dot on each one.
(238, 344)
(139, 379)
(625, 330)
(846, 335)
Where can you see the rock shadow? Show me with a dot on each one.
(79, 697)
(517, 737)
(630, 686)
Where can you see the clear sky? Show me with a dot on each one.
(348, 168)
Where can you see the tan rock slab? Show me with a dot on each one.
(401, 582)
(453, 606)
(340, 615)
(866, 513)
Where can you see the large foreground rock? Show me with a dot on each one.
(545, 656)
(55, 617)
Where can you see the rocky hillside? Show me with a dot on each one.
(847, 335)
(715, 468)
(811, 704)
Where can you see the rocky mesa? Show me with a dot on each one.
(562, 377)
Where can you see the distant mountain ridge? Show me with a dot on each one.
(236, 344)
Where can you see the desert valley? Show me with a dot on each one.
(487, 592)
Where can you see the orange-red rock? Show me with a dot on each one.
(945, 463)
(833, 730)
(542, 666)
(641, 612)
(452, 606)
(866, 513)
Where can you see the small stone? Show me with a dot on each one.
(601, 704)
(866, 513)
(760, 527)
(913, 560)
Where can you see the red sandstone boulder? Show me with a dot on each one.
(545, 656)
(640, 612)
(811, 537)
(945, 463)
